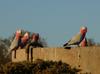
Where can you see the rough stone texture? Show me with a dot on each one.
(87, 59)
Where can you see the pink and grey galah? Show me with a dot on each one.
(77, 39)
(16, 41)
(24, 40)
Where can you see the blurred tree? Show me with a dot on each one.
(90, 42)
(4, 45)
(43, 42)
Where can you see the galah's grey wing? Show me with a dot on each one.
(76, 39)
(14, 44)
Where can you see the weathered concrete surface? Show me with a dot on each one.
(87, 59)
(20, 55)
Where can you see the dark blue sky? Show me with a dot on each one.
(56, 20)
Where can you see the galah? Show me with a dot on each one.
(16, 41)
(34, 40)
(24, 40)
(76, 40)
(83, 42)
(34, 37)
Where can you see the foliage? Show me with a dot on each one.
(4, 45)
(38, 67)
(90, 42)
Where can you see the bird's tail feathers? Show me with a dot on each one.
(65, 44)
